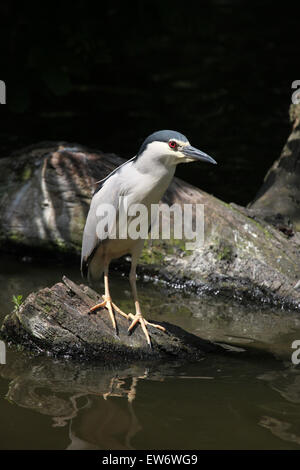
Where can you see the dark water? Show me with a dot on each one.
(250, 401)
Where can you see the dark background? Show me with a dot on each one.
(218, 71)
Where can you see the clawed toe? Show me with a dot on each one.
(111, 307)
(138, 318)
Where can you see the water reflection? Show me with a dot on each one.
(280, 429)
(80, 397)
(286, 383)
(219, 404)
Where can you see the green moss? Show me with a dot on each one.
(267, 234)
(17, 237)
(155, 251)
(152, 254)
(180, 245)
(226, 204)
(26, 173)
(62, 245)
(225, 254)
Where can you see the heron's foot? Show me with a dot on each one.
(111, 307)
(138, 318)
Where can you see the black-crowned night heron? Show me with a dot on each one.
(141, 180)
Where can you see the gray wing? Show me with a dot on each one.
(101, 182)
(94, 233)
(90, 243)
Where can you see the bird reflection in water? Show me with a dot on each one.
(82, 397)
(103, 423)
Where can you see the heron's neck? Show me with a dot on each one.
(159, 166)
(156, 176)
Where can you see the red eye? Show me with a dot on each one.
(172, 144)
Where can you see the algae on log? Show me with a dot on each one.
(45, 195)
(57, 321)
(278, 200)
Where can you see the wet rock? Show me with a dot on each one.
(57, 321)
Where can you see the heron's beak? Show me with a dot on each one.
(195, 154)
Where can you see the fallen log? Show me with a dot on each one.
(57, 321)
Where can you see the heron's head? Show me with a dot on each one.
(171, 148)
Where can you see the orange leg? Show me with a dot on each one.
(138, 317)
(107, 302)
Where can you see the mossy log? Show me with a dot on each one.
(58, 321)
